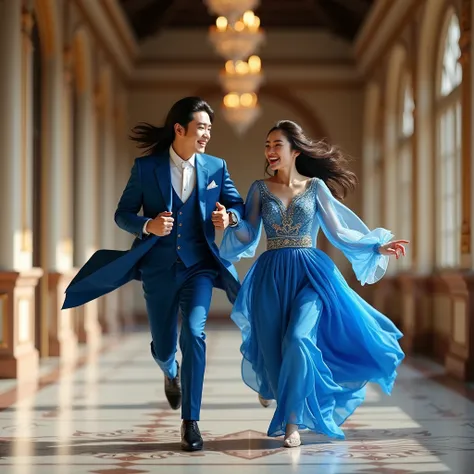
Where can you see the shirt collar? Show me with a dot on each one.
(178, 161)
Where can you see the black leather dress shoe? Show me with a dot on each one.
(191, 439)
(173, 391)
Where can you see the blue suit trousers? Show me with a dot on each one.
(189, 291)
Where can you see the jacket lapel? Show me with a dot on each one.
(202, 174)
(163, 177)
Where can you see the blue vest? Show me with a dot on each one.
(186, 241)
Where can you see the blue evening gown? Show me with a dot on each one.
(309, 341)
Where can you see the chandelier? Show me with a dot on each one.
(236, 37)
(241, 110)
(242, 76)
(230, 9)
(237, 41)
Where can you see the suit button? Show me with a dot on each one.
(180, 213)
(179, 235)
(179, 248)
(181, 225)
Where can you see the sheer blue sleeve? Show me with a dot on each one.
(242, 240)
(350, 235)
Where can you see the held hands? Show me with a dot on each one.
(395, 247)
(220, 218)
(161, 225)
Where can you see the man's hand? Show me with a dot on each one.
(161, 225)
(220, 218)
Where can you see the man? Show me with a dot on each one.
(184, 194)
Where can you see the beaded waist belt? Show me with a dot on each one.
(289, 242)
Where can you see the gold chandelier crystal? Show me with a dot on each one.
(231, 9)
(242, 76)
(241, 110)
(237, 41)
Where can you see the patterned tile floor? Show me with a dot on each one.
(109, 415)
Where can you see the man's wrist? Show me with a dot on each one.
(145, 227)
(233, 221)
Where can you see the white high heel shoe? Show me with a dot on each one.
(265, 403)
(292, 440)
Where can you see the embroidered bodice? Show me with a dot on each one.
(290, 226)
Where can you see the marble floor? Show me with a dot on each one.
(108, 414)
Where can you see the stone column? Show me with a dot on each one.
(416, 308)
(62, 337)
(18, 356)
(124, 161)
(109, 305)
(87, 200)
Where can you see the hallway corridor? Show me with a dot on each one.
(109, 415)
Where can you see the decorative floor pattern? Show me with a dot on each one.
(109, 416)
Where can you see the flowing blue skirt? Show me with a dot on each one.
(310, 342)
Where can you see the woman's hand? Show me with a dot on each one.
(395, 247)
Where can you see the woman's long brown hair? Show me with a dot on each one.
(318, 159)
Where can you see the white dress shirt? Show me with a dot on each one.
(183, 175)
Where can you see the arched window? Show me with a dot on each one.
(448, 106)
(405, 159)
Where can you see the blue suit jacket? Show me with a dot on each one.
(149, 188)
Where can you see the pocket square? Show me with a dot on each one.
(212, 185)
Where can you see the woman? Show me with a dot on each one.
(309, 341)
